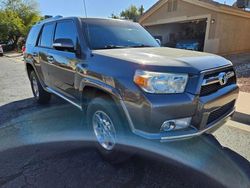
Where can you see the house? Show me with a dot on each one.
(218, 28)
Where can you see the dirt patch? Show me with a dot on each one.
(242, 66)
(243, 75)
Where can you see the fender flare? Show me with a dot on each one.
(115, 94)
(33, 67)
(101, 86)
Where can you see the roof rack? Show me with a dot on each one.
(50, 18)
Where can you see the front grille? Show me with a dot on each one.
(213, 116)
(212, 88)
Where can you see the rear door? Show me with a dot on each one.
(63, 66)
(31, 52)
(44, 47)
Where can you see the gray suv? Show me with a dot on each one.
(123, 81)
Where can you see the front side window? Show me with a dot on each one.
(66, 30)
(47, 35)
(117, 34)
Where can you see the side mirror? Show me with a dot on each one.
(158, 41)
(64, 44)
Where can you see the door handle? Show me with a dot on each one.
(50, 59)
(34, 54)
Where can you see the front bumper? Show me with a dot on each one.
(199, 108)
(195, 132)
(184, 134)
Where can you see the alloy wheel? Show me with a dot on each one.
(104, 130)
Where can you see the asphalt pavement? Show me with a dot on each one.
(49, 146)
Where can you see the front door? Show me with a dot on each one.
(63, 62)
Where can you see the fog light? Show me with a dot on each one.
(168, 126)
(175, 124)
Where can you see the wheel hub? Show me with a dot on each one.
(35, 87)
(104, 130)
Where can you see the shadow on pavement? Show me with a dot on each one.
(14, 109)
(77, 164)
(242, 118)
(50, 146)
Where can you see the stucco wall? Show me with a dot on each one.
(233, 33)
(184, 10)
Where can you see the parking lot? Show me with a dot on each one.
(23, 121)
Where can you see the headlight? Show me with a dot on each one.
(155, 82)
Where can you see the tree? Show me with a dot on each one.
(114, 16)
(141, 10)
(11, 26)
(17, 17)
(131, 13)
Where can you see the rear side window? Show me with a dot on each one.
(33, 35)
(66, 30)
(47, 35)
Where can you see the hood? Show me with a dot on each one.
(169, 57)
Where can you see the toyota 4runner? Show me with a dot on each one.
(120, 77)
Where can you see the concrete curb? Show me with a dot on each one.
(242, 113)
(241, 118)
(11, 56)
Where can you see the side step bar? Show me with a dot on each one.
(63, 97)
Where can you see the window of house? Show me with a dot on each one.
(169, 5)
(175, 4)
(172, 5)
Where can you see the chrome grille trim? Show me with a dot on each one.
(217, 79)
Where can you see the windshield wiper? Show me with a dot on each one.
(141, 46)
(112, 46)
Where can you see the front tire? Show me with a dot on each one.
(41, 96)
(108, 128)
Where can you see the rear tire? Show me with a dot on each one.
(103, 118)
(41, 96)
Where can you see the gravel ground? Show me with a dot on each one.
(242, 66)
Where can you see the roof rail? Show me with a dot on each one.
(57, 16)
(50, 18)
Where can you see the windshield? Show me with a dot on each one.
(117, 34)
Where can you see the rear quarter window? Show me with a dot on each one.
(33, 35)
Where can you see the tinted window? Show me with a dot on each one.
(118, 34)
(47, 35)
(66, 30)
(33, 34)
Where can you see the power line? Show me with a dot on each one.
(85, 9)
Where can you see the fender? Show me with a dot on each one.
(99, 85)
(114, 93)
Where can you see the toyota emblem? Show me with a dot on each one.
(223, 78)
